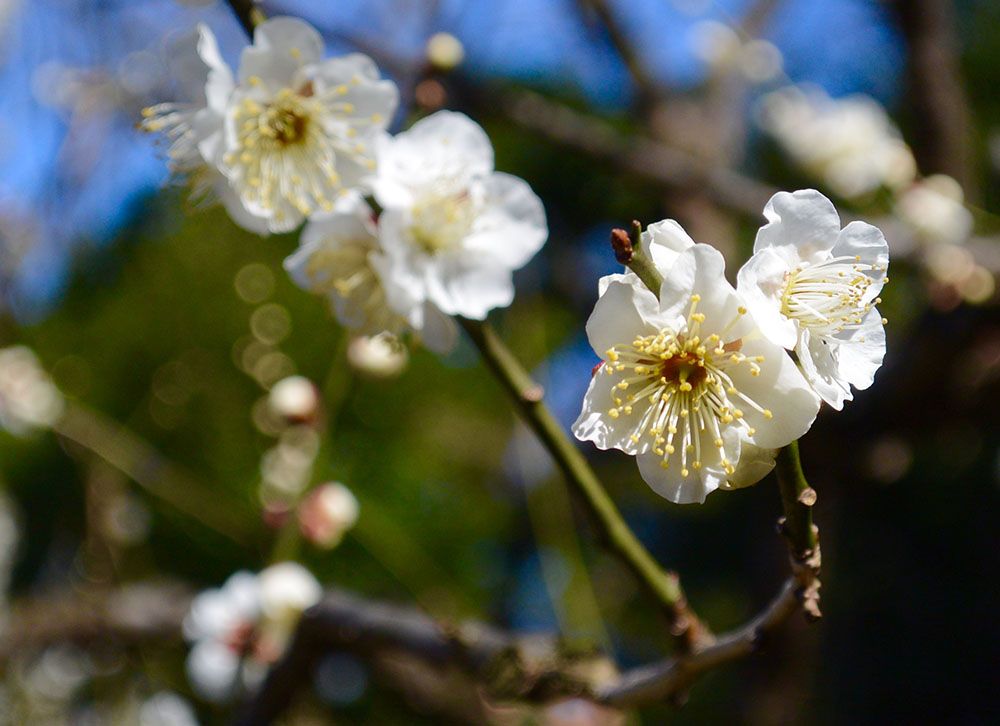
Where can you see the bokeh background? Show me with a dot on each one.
(164, 326)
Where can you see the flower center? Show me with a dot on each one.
(831, 296)
(681, 387)
(442, 219)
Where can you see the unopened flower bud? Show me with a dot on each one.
(295, 400)
(379, 356)
(327, 513)
(445, 51)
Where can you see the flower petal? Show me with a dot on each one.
(665, 240)
(802, 224)
(594, 424)
(511, 228)
(781, 389)
(620, 314)
(281, 47)
(760, 283)
(868, 245)
(439, 332)
(755, 464)
(670, 484)
(861, 355)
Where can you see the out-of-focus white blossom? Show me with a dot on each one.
(721, 48)
(934, 209)
(241, 628)
(849, 143)
(452, 230)
(378, 356)
(294, 400)
(334, 260)
(813, 287)
(286, 468)
(327, 513)
(686, 384)
(29, 399)
(287, 137)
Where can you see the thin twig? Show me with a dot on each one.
(611, 526)
(248, 14)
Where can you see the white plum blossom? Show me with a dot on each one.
(294, 399)
(287, 137)
(850, 143)
(687, 385)
(300, 130)
(238, 630)
(334, 259)
(813, 287)
(452, 230)
(327, 513)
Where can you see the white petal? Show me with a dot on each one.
(439, 332)
(281, 47)
(212, 668)
(760, 283)
(668, 483)
(511, 228)
(701, 270)
(818, 358)
(198, 68)
(780, 388)
(445, 145)
(237, 211)
(354, 79)
(594, 424)
(861, 354)
(804, 223)
(618, 316)
(755, 463)
(468, 285)
(665, 240)
(867, 243)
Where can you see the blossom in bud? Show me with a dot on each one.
(453, 230)
(295, 400)
(28, 398)
(687, 385)
(445, 51)
(813, 287)
(327, 513)
(378, 356)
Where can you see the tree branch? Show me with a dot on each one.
(612, 528)
(797, 500)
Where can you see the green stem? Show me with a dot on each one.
(797, 498)
(641, 263)
(618, 537)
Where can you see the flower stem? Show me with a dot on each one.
(629, 251)
(797, 500)
(615, 532)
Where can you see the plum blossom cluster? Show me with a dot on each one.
(850, 143)
(696, 380)
(238, 630)
(294, 137)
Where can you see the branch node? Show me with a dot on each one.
(533, 394)
(807, 497)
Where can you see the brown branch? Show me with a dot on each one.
(648, 90)
(248, 15)
(940, 109)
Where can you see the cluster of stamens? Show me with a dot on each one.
(442, 214)
(288, 146)
(355, 278)
(682, 383)
(831, 296)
